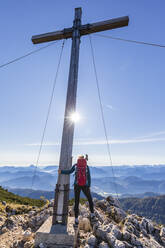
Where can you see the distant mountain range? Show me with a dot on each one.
(123, 180)
(143, 195)
(36, 194)
(141, 188)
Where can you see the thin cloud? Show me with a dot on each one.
(104, 142)
(154, 134)
(118, 141)
(44, 144)
(110, 107)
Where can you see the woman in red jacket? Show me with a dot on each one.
(82, 182)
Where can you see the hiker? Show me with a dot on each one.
(82, 182)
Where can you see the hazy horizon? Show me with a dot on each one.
(119, 165)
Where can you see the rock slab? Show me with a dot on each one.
(53, 236)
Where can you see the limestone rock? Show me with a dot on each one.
(10, 223)
(27, 235)
(102, 204)
(51, 203)
(103, 245)
(4, 203)
(1, 219)
(128, 245)
(144, 223)
(116, 232)
(4, 229)
(134, 241)
(113, 202)
(71, 211)
(118, 214)
(91, 240)
(100, 216)
(84, 224)
(108, 227)
(119, 244)
(162, 232)
(16, 244)
(133, 220)
(29, 244)
(42, 245)
(31, 213)
(109, 210)
(150, 227)
(126, 235)
(111, 240)
(100, 234)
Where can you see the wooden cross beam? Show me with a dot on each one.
(83, 29)
(60, 210)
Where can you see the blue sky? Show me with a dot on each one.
(131, 78)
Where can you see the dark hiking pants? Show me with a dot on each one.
(87, 193)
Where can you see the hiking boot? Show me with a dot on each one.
(76, 222)
(93, 218)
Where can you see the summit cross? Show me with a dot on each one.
(60, 209)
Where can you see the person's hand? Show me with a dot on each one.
(59, 171)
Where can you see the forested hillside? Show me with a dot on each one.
(150, 207)
(9, 197)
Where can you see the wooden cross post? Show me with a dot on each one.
(60, 212)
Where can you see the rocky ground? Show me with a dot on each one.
(118, 229)
(115, 228)
(18, 231)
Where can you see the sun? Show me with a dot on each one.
(75, 117)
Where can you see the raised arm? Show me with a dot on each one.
(67, 172)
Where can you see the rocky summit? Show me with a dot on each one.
(114, 228)
(18, 231)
